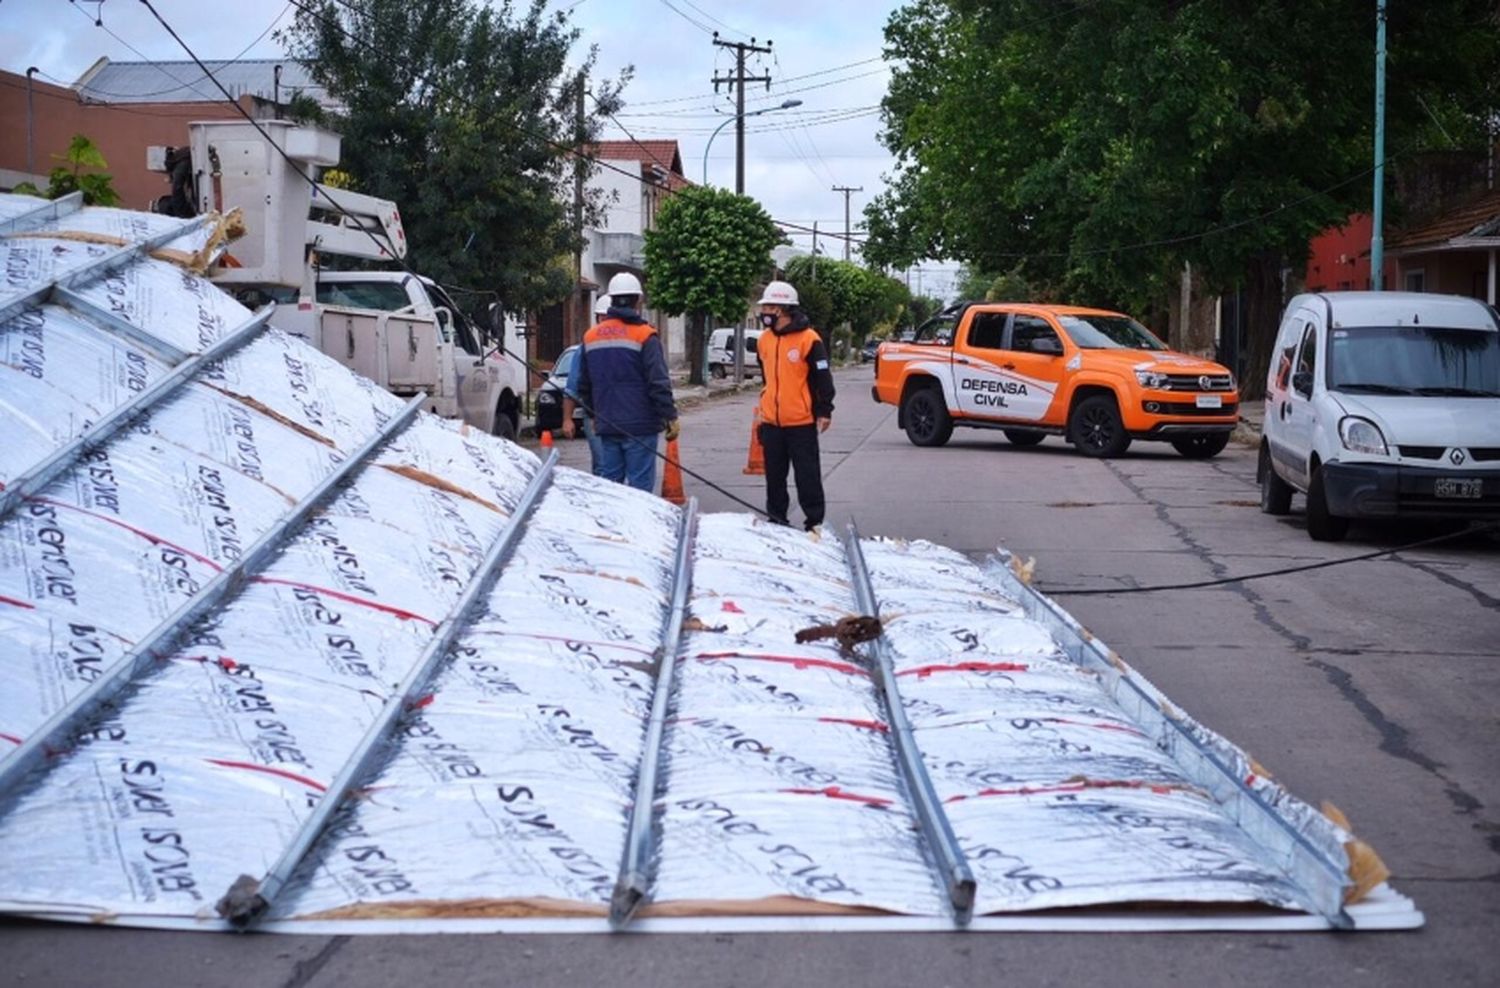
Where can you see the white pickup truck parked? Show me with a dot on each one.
(400, 330)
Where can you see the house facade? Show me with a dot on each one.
(632, 181)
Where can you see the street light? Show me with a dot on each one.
(770, 109)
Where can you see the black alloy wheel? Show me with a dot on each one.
(1024, 437)
(926, 417)
(1096, 429)
(1201, 447)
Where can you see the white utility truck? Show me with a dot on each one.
(402, 331)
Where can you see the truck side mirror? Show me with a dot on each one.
(1302, 383)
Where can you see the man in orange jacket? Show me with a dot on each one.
(795, 405)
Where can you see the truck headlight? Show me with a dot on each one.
(1151, 379)
(1361, 436)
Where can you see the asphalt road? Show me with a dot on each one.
(1374, 685)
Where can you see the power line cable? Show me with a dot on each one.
(1264, 574)
(500, 347)
(172, 89)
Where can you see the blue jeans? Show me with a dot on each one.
(628, 460)
(593, 437)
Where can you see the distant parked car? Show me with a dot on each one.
(721, 352)
(867, 351)
(549, 397)
(1383, 405)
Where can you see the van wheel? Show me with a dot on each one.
(717, 372)
(1322, 526)
(505, 422)
(1095, 427)
(1275, 493)
(1024, 437)
(926, 417)
(1201, 447)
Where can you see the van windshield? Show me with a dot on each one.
(1415, 360)
(1109, 333)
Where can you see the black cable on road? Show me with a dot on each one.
(1225, 581)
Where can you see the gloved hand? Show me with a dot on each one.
(674, 429)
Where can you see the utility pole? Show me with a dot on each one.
(815, 253)
(580, 307)
(846, 190)
(737, 82)
(1377, 236)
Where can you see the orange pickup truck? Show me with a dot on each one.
(1097, 378)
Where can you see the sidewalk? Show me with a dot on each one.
(1252, 415)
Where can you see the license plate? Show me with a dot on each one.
(1450, 487)
(1210, 401)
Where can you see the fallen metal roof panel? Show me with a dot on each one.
(384, 737)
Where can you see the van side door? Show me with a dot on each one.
(1297, 411)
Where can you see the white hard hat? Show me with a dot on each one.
(625, 283)
(602, 305)
(779, 293)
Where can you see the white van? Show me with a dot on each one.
(721, 352)
(1383, 405)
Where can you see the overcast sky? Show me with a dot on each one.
(826, 54)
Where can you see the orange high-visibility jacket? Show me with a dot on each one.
(798, 383)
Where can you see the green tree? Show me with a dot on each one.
(463, 114)
(1095, 148)
(97, 187)
(920, 309)
(858, 296)
(709, 249)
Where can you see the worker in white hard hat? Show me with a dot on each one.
(796, 404)
(621, 379)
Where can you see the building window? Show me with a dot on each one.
(1416, 281)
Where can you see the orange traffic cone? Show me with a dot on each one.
(546, 439)
(756, 464)
(671, 476)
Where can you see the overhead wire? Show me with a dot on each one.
(172, 89)
(500, 347)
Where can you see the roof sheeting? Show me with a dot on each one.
(1480, 217)
(374, 666)
(184, 82)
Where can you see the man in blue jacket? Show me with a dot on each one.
(621, 380)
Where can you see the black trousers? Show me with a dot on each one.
(796, 447)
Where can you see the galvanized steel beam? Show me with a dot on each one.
(633, 886)
(97, 267)
(250, 898)
(953, 868)
(114, 325)
(59, 730)
(1321, 880)
(39, 476)
(45, 213)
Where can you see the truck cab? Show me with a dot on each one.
(399, 329)
(1096, 378)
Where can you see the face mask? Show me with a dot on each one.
(768, 320)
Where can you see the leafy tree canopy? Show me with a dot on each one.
(462, 113)
(1096, 147)
(709, 249)
(856, 295)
